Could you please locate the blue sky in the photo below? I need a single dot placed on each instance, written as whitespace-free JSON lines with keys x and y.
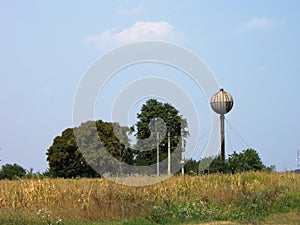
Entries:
{"x":252,"y":48}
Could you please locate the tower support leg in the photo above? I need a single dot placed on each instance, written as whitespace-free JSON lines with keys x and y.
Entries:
{"x":222,"y":118}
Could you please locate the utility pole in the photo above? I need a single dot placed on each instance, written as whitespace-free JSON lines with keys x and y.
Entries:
{"x":182,"y":154}
{"x":169,"y":154}
{"x":157,"y":153}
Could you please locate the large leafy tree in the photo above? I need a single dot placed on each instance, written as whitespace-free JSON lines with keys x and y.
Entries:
{"x":85,"y":155}
{"x":167,"y":117}
{"x":65,"y":159}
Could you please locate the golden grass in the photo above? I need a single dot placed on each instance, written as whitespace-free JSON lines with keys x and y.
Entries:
{"x":101,"y":199}
{"x":292,"y":217}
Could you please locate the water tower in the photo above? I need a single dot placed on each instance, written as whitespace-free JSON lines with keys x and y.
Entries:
{"x":222,"y":103}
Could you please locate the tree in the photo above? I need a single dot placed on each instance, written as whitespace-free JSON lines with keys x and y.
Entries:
{"x":248,"y":160}
{"x":191,"y":167}
{"x":66,"y":159}
{"x":169,"y":120}
{"x":217,"y":165}
{"x":10,"y":172}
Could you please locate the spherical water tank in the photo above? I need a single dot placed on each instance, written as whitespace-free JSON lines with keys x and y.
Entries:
{"x":221,"y":102}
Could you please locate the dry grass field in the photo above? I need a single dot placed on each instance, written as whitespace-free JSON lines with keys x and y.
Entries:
{"x":217,"y":197}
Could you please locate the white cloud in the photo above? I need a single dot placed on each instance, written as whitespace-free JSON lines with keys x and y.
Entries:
{"x":260,"y":24}
{"x":128,"y":12}
{"x":139,"y":31}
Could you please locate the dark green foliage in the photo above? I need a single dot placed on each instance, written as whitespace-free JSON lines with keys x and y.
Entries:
{"x":217,"y":166}
{"x":247,"y":160}
{"x":102,"y":145}
{"x":174,"y":123}
{"x":9,"y":171}
{"x":191,"y":167}
{"x":66,"y":160}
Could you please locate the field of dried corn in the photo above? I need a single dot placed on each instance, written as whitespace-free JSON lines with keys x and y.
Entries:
{"x":239,"y":197}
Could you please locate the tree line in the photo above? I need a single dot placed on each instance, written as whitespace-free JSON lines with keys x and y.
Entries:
{"x":77,"y":152}
{"x":247,"y":160}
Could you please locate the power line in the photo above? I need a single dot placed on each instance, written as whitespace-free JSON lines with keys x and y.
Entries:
{"x":229,"y":141}
{"x":242,"y":141}
{"x":197,"y":154}
{"x":209,"y":129}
